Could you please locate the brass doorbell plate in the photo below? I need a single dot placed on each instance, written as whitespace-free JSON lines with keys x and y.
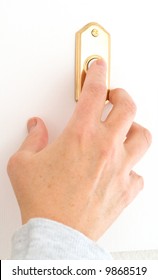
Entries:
{"x":92,"y":42}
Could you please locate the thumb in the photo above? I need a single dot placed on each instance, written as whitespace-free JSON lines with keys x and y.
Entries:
{"x":37,"y":138}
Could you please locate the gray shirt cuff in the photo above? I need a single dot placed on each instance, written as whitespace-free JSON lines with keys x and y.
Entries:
{"x":43,"y":239}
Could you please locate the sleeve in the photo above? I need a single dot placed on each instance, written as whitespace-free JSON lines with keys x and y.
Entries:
{"x":43,"y":239}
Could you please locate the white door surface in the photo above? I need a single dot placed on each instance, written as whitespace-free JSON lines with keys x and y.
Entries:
{"x":37,"y":58}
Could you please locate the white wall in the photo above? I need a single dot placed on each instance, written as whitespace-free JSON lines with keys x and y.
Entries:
{"x":37,"y":44}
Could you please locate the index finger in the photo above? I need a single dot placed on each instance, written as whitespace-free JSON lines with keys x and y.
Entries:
{"x":122,"y":114}
{"x":94,"y":92}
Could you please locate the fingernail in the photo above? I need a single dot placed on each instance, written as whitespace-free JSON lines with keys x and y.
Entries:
{"x":31,"y":124}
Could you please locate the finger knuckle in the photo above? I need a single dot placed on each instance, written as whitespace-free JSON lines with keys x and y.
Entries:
{"x":96,"y":88}
{"x":125,"y":101}
{"x":14,"y":161}
{"x":109,"y":151}
{"x":82,"y":134}
{"x":11,"y":163}
{"x":126,"y":197}
{"x":131,"y":107}
{"x":129,"y":193}
{"x":140,"y":181}
{"x":147,"y":136}
{"x":104,"y":153}
{"x":113,"y":93}
{"x":121,"y":90}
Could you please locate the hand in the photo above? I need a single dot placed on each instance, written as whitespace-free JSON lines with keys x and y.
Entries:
{"x":83,"y":179}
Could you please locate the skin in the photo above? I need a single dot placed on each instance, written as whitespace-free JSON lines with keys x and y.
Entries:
{"x":84,"y":179}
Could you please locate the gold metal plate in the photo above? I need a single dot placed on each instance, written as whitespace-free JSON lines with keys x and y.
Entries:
{"x":92,"y":42}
